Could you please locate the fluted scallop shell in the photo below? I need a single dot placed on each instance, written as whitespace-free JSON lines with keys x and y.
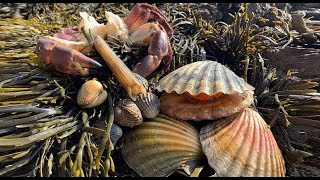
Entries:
{"x":203,"y":77}
{"x":127,"y":113}
{"x":142,"y":80}
{"x":183,"y":107}
{"x":149,"y":104}
{"x":91,"y":94}
{"x":115,"y":133}
{"x":161,"y":145}
{"x":242,"y":146}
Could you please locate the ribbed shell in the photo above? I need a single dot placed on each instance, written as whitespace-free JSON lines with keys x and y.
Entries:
{"x":160,"y":146}
{"x":208,"y":77}
{"x":127,"y":113}
{"x":183,"y":107}
{"x":242,"y":146}
{"x":142,"y":80}
{"x":91,"y":94}
{"x":149,"y":105}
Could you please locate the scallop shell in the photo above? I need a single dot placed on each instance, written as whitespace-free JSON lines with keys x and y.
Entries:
{"x":203,"y":77}
{"x":161,"y":145}
{"x":91,"y":94}
{"x":127,"y":113}
{"x":242,"y":146}
{"x":183,"y":107}
{"x":149,"y":105}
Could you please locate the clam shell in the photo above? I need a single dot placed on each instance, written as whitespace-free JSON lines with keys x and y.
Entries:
{"x":242,"y":146}
{"x":183,"y":107}
{"x":206,"y":77}
{"x":127,"y":113}
{"x":149,"y":105}
{"x":160,"y":146}
{"x":91,"y":94}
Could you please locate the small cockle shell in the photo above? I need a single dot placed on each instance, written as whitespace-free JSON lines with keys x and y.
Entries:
{"x":203,"y":78}
{"x":242,"y":145}
{"x":149,"y":105}
{"x":91,"y":94}
{"x":183,"y":107}
{"x":161,"y":145}
{"x":142,"y":80}
{"x":127,"y":113}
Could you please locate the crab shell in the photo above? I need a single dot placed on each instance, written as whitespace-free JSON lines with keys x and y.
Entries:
{"x":203,"y":90}
{"x":242,"y":145}
{"x":91,"y":94}
{"x":160,"y":146}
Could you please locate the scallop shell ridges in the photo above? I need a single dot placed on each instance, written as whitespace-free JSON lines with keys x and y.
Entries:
{"x":242,"y":146}
{"x":161,"y":145}
{"x":208,"y":77}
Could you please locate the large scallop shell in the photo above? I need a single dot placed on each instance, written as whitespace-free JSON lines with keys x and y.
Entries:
{"x":183,"y":107}
{"x":91,"y":94}
{"x":203,"y":77}
{"x":161,"y":145}
{"x":127,"y":113}
{"x":149,"y":105}
{"x":242,"y":146}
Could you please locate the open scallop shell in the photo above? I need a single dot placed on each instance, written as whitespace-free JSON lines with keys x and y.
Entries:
{"x":91,"y":94}
{"x":161,"y":145}
{"x":242,"y":146}
{"x":203,"y":77}
{"x":127,"y":113}
{"x":149,"y":105}
{"x":183,"y":107}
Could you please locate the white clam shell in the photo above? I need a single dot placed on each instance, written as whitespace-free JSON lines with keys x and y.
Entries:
{"x":91,"y":94}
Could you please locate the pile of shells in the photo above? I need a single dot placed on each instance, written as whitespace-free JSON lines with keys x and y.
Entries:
{"x":235,"y":139}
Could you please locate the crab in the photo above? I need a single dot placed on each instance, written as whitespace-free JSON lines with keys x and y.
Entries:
{"x":148,"y":27}
{"x":144,"y":26}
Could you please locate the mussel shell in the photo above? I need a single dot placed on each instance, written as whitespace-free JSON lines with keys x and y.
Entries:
{"x":91,"y":94}
{"x":160,"y":146}
{"x":115,"y":133}
{"x":149,"y":105}
{"x":127,"y":113}
{"x":206,"y":77}
{"x":183,"y":107}
{"x":242,"y":145}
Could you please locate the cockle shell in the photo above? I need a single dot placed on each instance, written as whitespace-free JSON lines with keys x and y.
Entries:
{"x":161,"y":145}
{"x":203,"y":77}
{"x":127,"y":113}
{"x":149,"y":105}
{"x":91,"y":94}
{"x":242,"y":145}
{"x":142,"y":80}
{"x":183,"y":107}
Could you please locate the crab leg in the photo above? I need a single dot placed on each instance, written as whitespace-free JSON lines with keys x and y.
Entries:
{"x":120,"y":70}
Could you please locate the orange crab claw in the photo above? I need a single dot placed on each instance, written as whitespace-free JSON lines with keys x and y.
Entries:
{"x":64,"y":59}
